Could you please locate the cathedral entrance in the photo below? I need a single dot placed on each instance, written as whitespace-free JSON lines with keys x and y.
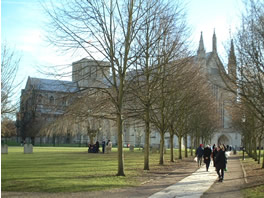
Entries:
{"x":223,"y":140}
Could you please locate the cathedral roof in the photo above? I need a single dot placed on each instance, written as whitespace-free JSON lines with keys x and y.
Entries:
{"x":53,"y":85}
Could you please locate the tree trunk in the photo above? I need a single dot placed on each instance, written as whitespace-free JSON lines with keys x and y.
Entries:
{"x":191,"y":145}
{"x":161,"y":160}
{"x":180,"y":145}
{"x":250,"y":147}
{"x":171,"y":148}
{"x":91,"y":139}
{"x":186,"y":146}
{"x":120,"y":147}
{"x":255,"y":148}
{"x":197,"y":141}
{"x":146,"y":147}
{"x":246,"y":145}
{"x":259,"y":145}
{"x":263,"y":162}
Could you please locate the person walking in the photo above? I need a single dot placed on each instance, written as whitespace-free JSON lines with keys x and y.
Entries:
{"x":214,"y":154}
{"x":199,"y":153}
{"x":103,"y":146}
{"x":220,"y":162}
{"x":207,"y":156}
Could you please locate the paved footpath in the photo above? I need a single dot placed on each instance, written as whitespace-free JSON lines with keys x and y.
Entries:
{"x":234,"y":181}
{"x":205,"y":184}
{"x":192,"y":186}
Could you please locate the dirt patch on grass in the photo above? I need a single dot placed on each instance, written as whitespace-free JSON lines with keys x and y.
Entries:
{"x":254,"y":177}
{"x":254,"y":172}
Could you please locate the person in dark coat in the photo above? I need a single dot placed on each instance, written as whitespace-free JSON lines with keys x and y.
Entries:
{"x":103,"y":146}
{"x":199,"y":153}
{"x":214,"y":154}
{"x":207,"y":156}
{"x":97,"y":146}
{"x":220,"y":162}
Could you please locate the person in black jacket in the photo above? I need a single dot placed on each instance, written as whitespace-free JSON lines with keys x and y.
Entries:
{"x":103,"y":146}
{"x":199,"y":154}
{"x":97,"y":146}
{"x":214,"y":154}
{"x":207,"y":156}
{"x":220,"y":162}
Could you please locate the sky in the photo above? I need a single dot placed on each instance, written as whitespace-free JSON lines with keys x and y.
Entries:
{"x":23,"y":28}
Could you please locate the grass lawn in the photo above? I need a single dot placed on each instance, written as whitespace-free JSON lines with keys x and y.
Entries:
{"x":70,"y":169}
{"x":254,"y":192}
{"x":255,"y":175}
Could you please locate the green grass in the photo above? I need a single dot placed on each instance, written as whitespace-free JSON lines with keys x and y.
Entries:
{"x":65,"y":169}
{"x":254,"y":192}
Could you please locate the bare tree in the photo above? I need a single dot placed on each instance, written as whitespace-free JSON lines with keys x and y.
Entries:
{"x":191,"y":106}
{"x":249,"y":83}
{"x":163,"y":21}
{"x":106,"y":30}
{"x":9,"y":66}
{"x":251,"y":129}
{"x":178,"y":102}
{"x":249,"y":43}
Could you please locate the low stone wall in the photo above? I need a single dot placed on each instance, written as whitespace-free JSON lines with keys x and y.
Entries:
{"x":4,"y":149}
{"x":28,"y":148}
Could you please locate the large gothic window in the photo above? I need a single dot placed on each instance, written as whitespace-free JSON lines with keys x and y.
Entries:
{"x":227,"y":117}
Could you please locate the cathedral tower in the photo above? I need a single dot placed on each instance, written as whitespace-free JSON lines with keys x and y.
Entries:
{"x":232,"y":63}
{"x":201,"y":58}
{"x":201,"y":50}
{"x":214,"y":48}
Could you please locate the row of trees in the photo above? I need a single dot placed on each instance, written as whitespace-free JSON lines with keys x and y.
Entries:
{"x":250,"y":43}
{"x":152,"y":78}
{"x":248,"y":115}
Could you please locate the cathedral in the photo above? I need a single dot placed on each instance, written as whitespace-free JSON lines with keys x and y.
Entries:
{"x":44,"y":100}
{"x":212,"y":66}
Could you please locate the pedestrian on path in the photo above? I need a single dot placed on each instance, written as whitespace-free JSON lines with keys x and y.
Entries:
{"x":214,"y":154}
{"x":199,"y":153}
{"x":207,"y":156}
{"x":220,"y":162}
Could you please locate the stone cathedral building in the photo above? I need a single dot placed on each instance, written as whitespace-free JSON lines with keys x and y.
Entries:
{"x":46,"y":99}
{"x":211,"y":66}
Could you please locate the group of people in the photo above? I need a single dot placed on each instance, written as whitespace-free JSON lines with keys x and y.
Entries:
{"x":95,"y":148}
{"x":217,"y":154}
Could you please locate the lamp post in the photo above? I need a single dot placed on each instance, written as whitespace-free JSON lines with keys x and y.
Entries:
{"x":135,"y":136}
{"x":244,"y":120}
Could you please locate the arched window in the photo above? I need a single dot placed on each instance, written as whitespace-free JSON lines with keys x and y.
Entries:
{"x":51,"y":100}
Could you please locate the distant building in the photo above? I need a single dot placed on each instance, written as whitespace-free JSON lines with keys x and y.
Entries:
{"x":43,"y":100}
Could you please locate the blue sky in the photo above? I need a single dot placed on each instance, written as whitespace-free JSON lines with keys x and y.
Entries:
{"x":23,"y":28}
